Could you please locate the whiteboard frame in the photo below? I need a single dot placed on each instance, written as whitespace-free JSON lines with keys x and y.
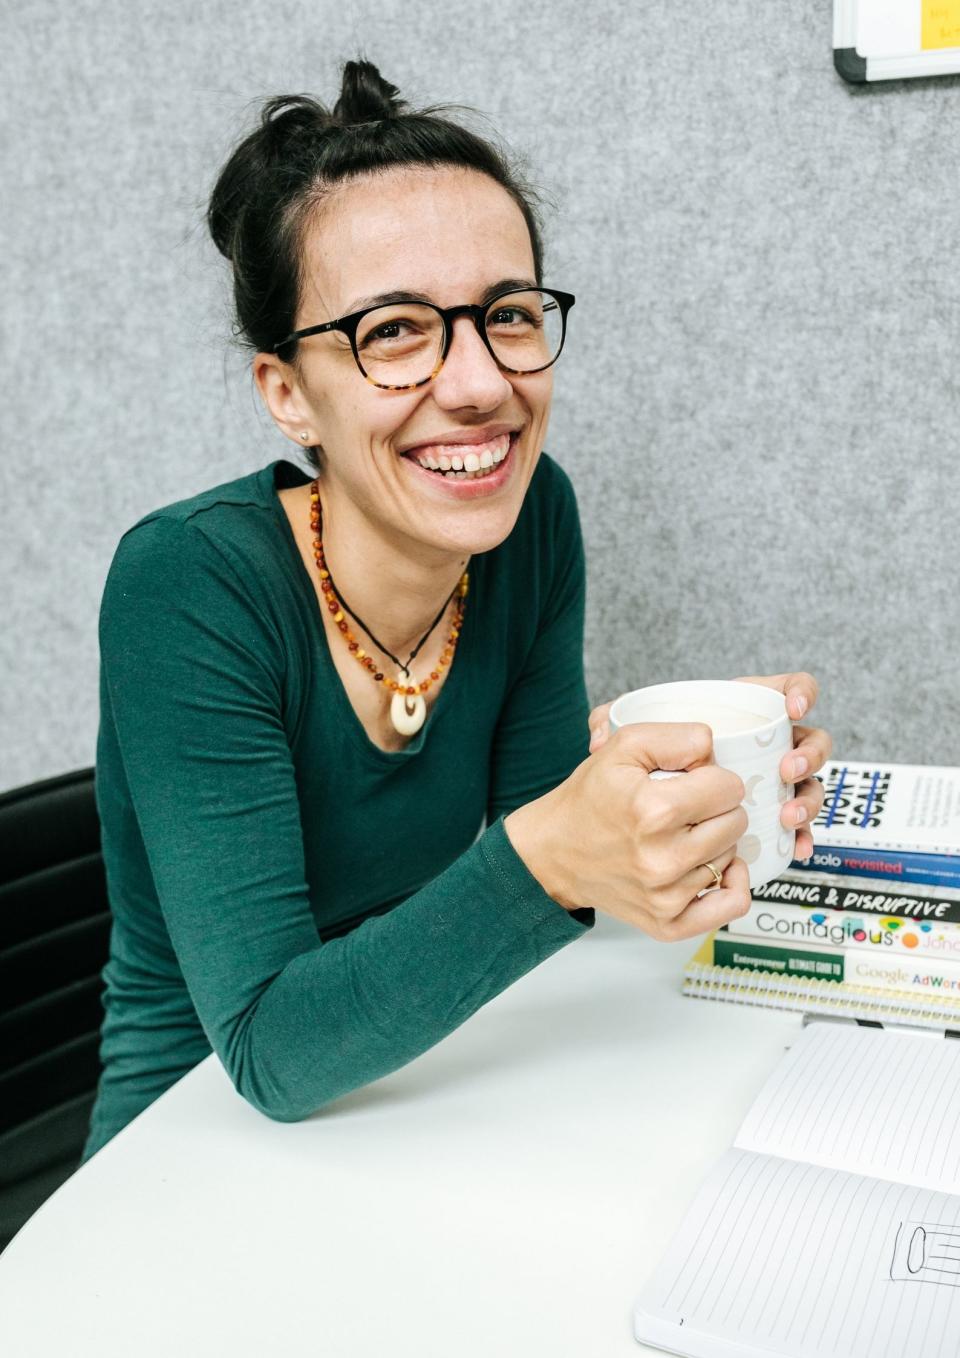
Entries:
{"x":858,"y":70}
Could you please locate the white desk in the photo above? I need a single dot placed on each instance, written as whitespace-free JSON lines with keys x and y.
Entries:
{"x":504,"y":1195}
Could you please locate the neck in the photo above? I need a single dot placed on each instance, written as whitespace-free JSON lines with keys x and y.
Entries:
{"x":397,"y":588}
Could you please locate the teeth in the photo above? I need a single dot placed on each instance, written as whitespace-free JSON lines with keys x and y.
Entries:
{"x":467,"y":466}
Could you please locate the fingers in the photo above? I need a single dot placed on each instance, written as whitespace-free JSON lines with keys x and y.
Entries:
{"x":711,"y":839}
{"x":702,"y":794}
{"x":804,"y":846}
{"x":598,"y":724}
{"x":801,"y":690}
{"x":729,"y":901}
{"x":674,"y":872}
{"x":700,"y":879}
{"x":663,"y":745}
{"x":811,"y":750}
{"x":801,"y":812}
{"x":804,"y":808}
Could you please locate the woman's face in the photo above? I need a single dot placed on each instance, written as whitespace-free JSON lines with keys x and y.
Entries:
{"x":451,"y":235}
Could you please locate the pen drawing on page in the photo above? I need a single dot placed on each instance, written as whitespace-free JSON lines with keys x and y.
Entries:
{"x":926,"y":1252}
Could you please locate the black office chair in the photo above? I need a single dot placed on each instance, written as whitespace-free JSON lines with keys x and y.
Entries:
{"x":54,"y":940}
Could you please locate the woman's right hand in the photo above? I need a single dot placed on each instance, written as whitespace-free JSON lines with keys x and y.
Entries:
{"x":634,"y":847}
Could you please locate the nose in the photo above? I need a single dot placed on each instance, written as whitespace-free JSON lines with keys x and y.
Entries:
{"x":469,"y":376}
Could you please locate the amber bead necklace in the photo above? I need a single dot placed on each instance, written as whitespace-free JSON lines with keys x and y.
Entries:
{"x":408,"y":708}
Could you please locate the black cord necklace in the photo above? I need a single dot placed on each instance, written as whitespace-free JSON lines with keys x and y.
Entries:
{"x":404,"y":668}
{"x":408,"y":708}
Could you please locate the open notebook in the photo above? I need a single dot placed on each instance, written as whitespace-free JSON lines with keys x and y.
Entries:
{"x":832,"y":1227}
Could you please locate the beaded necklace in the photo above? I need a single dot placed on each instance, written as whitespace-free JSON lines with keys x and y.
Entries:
{"x":408,"y":708}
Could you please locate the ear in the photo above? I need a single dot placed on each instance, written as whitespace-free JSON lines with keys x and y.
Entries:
{"x":280,"y":389}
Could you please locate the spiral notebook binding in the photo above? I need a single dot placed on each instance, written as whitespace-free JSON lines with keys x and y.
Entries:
{"x":767,"y":990}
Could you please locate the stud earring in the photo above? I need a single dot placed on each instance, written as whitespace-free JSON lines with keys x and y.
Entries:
{"x":304,"y":436}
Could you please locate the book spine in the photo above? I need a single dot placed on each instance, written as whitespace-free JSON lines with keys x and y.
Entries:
{"x":930,"y":869}
{"x":799,"y":924}
{"x":827,"y":892}
{"x":859,"y":967}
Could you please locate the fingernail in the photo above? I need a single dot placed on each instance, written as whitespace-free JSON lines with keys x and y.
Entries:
{"x":800,"y":703}
{"x":799,"y":767}
{"x":800,"y":815}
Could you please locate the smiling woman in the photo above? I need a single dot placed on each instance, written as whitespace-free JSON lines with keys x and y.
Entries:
{"x":343,"y":772}
{"x":297,"y":668}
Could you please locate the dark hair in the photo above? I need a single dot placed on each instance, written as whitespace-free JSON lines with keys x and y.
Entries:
{"x":278,"y":175}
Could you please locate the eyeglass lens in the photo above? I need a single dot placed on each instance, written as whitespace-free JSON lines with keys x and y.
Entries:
{"x":399,"y":345}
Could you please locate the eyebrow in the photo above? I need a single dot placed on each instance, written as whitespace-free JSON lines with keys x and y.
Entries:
{"x":391,"y":298}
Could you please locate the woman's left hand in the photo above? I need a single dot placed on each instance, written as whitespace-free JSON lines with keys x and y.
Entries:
{"x":811,"y":750}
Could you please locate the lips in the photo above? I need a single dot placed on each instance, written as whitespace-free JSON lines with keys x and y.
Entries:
{"x":461,"y":484}
{"x":462,"y":457}
{"x":457,"y":437}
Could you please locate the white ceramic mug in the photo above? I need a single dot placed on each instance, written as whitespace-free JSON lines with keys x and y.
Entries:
{"x":751,"y":734}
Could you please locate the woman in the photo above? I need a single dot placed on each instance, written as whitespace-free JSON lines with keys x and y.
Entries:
{"x":314,"y":689}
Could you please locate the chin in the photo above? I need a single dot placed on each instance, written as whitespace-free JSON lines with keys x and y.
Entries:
{"x":469,"y":517}
{"x":484,"y":531}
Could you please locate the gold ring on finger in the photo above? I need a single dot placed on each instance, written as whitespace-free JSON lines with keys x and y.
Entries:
{"x":717,"y":876}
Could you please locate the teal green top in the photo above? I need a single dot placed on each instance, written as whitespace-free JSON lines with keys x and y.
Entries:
{"x":316,"y":910}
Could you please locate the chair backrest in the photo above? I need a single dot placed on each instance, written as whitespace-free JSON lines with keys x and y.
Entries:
{"x":54,"y":943}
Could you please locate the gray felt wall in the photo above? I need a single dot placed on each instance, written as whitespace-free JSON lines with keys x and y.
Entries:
{"x":757,"y":405}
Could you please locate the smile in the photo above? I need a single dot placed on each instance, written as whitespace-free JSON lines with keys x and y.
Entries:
{"x":487,"y":464}
{"x":475,"y":460}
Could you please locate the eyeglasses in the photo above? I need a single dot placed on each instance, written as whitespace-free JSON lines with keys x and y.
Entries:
{"x":402,"y":346}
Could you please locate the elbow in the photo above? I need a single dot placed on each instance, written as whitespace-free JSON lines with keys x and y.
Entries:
{"x":275,"y":1102}
{"x":287,"y":1082}
{"x":264,"y":1088}
{"x":280,"y":1100}
{"x":279,"y":1105}
{"x":281,"y":1112}
{"x":264,"y":1075}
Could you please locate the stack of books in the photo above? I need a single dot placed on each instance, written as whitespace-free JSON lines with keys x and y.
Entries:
{"x":870,"y":927}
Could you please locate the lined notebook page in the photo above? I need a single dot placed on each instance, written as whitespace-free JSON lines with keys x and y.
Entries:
{"x":780,"y":1257}
{"x":866,"y":1100}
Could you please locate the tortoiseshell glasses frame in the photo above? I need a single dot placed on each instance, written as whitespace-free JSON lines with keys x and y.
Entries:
{"x":348,"y":325}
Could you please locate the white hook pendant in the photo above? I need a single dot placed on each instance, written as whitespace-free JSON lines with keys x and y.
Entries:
{"x":407,"y":712}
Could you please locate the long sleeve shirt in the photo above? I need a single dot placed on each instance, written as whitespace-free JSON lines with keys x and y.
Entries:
{"x":316,"y":910}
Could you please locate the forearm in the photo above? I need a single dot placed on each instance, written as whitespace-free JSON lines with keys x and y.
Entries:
{"x":358,"y":1007}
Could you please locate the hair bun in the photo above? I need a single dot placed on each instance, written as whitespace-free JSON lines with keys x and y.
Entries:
{"x":365,"y":96}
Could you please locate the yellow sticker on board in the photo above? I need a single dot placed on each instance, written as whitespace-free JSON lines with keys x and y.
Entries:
{"x":939,"y":23}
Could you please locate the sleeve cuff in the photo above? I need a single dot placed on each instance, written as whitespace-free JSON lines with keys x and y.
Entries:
{"x":519,"y":882}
